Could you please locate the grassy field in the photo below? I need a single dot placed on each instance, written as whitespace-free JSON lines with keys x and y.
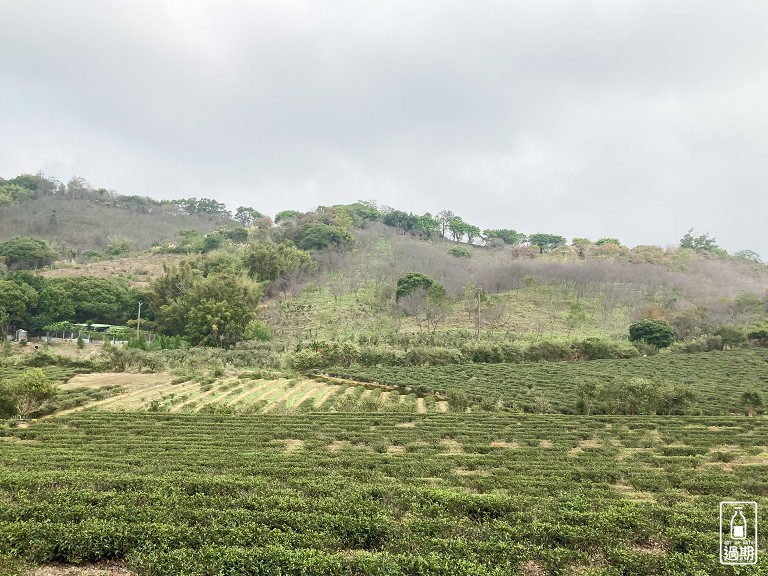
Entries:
{"x":535,"y":312}
{"x":717,"y":379}
{"x":383,"y":494}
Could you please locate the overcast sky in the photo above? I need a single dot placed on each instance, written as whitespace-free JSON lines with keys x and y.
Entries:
{"x":617,"y":118}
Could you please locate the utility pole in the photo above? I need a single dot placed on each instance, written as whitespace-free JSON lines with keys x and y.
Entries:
{"x":478,"y":290}
{"x":138,"y":323}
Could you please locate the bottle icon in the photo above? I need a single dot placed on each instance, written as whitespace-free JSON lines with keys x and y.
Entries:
{"x":738,"y":525}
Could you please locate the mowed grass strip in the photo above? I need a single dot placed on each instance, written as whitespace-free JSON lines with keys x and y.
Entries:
{"x":135,"y":386}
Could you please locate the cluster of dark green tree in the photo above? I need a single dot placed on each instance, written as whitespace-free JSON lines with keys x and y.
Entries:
{"x":659,"y":334}
{"x":29,"y":301}
{"x":212,"y":299}
{"x":207,"y":301}
{"x":327,"y":227}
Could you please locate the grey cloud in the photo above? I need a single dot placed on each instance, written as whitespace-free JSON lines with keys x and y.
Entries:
{"x":629,"y":119}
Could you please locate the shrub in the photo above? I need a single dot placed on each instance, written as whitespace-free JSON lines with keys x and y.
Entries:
{"x":751,"y":402}
{"x":375,"y":356}
{"x":731,"y":335}
{"x":258,"y":330}
{"x":460,"y":252}
{"x":412,"y":282}
{"x":549,"y":351}
{"x":597,"y":349}
{"x":700,"y":344}
{"x":759,"y":334}
{"x":458,"y":401}
{"x":656,"y":332}
{"x":645,"y":349}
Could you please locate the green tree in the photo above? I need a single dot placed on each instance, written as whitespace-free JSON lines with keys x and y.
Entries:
{"x":269,"y":261}
{"x":172,"y":286}
{"x":25,"y":252}
{"x":412,"y":281}
{"x":32,"y":182}
{"x":545,"y":242}
{"x":759,"y":333}
{"x":731,"y":335}
{"x":17,"y":301}
{"x":218,"y":310}
{"x":701,"y":243}
{"x":751,"y":402}
{"x":400,"y":220}
{"x":13,"y":193}
{"x":246,"y":215}
{"x":212,"y":241}
{"x":427,"y":226}
{"x":202,"y":206}
{"x":509,"y":237}
{"x":444,"y":218}
{"x":236,"y":234}
{"x":54,"y":304}
{"x":103,"y":300}
{"x":63,"y":327}
{"x":748,"y":255}
{"x":472,"y":232}
{"x":214,"y":310}
{"x":320,"y":236}
{"x":457,"y":227}
{"x":655,"y":332}
{"x":603,"y":241}
{"x":359,"y":213}
{"x":29,"y":391}
{"x":286,"y":216}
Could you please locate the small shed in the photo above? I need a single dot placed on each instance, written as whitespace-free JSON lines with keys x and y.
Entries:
{"x":21,"y":335}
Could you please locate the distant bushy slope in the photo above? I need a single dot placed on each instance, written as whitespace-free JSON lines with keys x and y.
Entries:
{"x":81,"y":219}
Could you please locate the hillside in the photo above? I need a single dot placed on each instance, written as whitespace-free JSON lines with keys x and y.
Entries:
{"x":544,"y":296}
{"x":78,"y":218}
{"x":303,"y":412}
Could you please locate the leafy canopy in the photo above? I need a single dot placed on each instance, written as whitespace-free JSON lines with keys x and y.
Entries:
{"x":214,"y":310}
{"x":655,"y":332}
{"x":412,"y":282}
{"x":28,"y":391}
{"x":26,"y":252}
{"x":269,"y":261}
{"x":702,"y":243}
{"x":509,"y":237}
{"x":545,"y":242}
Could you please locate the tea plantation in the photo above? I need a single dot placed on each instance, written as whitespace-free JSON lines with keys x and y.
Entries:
{"x":379,"y":494}
{"x":717,"y":379}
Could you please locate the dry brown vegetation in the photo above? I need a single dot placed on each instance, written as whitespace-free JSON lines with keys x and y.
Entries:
{"x":83,"y":223}
{"x":138,"y":270}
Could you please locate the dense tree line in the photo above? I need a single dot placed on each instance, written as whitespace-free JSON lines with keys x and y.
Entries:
{"x":32,"y":302}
